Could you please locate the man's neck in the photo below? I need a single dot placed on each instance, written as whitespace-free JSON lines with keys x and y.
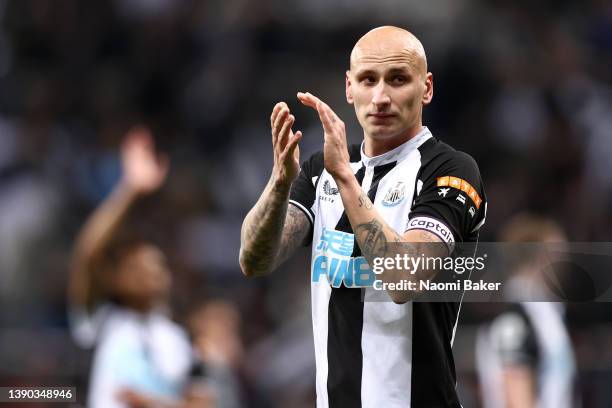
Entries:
{"x":374,"y":147}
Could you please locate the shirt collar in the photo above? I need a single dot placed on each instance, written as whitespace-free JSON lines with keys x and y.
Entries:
{"x":398,"y":153}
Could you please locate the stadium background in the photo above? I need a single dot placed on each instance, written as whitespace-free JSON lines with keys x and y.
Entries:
{"x":523,"y":86}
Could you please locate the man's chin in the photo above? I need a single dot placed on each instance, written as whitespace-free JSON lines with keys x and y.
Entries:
{"x":382,"y":132}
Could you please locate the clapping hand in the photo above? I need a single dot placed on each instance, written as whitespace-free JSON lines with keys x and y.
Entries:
{"x":335,"y":150}
{"x":285,"y":144}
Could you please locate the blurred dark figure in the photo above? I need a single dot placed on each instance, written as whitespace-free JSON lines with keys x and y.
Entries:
{"x":215,"y":330}
{"x":524,"y":356}
{"x":118,"y":293}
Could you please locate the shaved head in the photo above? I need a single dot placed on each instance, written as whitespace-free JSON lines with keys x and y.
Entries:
{"x":389,"y":44}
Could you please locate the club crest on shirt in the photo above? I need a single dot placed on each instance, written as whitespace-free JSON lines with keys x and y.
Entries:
{"x":395,"y":195}
{"x":329,"y":192}
{"x":328,"y":189}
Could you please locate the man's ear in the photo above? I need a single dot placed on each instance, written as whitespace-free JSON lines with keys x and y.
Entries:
{"x":428,"y":94}
{"x":349,"y":92}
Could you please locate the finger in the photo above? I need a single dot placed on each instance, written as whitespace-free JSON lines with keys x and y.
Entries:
{"x":275,"y":112}
{"x":285,"y":130}
{"x":138,"y":136}
{"x":292,"y":144}
{"x":280,"y":117}
{"x":278,"y":122}
{"x":326,"y":114}
{"x":325,"y":118}
{"x":328,"y":111}
{"x":308,"y":99}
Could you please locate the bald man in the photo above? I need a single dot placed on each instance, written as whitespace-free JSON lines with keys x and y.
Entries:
{"x":400,"y":193}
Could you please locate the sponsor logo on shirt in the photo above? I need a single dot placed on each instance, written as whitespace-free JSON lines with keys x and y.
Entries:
{"x":334,"y":262}
{"x":460,"y":184}
{"x":395,"y":195}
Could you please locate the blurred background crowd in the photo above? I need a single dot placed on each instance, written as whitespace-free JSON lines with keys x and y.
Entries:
{"x":525,"y":87}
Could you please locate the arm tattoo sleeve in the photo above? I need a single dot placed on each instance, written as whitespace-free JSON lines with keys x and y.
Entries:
{"x":372,"y":238}
{"x":270,"y":233}
{"x":295,"y":232}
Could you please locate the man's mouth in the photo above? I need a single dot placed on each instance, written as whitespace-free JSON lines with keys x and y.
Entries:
{"x":381,"y":115}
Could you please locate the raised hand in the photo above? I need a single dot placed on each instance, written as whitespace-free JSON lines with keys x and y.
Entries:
{"x":285,"y":145}
{"x":335,"y":149}
{"x":144,"y":171}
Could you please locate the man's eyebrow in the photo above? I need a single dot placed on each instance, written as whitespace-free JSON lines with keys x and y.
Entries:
{"x":367,"y":71}
{"x":398,"y":70}
{"x":393,"y":70}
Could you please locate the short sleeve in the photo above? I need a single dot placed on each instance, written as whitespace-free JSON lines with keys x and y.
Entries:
{"x":303,"y":189}
{"x":85,"y":327}
{"x":449,"y":198}
{"x":513,"y":340}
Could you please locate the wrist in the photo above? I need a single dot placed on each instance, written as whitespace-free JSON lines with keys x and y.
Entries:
{"x":344,"y":177}
{"x":280,"y":185}
{"x":126,"y":190}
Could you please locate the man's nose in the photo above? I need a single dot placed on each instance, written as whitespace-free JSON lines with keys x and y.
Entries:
{"x":381,"y":98}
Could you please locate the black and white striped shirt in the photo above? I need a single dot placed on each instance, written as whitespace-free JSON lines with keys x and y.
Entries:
{"x":382,"y":354}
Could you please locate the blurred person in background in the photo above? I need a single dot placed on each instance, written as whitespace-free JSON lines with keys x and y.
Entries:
{"x":215,"y":332}
{"x":214,"y":327}
{"x":118,"y":295}
{"x":401,"y":185}
{"x":524,"y":356}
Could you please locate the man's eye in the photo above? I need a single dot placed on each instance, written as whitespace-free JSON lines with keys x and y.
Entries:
{"x":368,"y":80}
{"x":399,"y":79}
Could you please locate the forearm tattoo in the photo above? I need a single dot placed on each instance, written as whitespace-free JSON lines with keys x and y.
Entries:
{"x":260,"y":234}
{"x":373,"y":241}
{"x":271,"y":233}
{"x":372,"y":238}
{"x":295,"y":231}
{"x":364,"y":201}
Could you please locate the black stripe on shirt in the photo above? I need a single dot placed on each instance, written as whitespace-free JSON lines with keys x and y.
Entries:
{"x":345,"y":322}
